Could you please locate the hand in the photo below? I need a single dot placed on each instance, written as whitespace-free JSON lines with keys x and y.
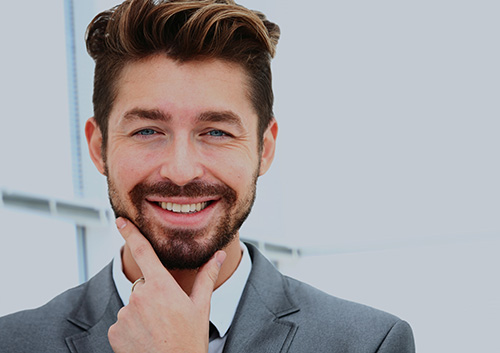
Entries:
{"x":160,"y":316}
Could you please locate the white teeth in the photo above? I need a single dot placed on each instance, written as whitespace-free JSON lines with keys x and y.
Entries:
{"x":185,"y":208}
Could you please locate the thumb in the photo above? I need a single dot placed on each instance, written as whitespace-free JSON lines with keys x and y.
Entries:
{"x":206,"y":278}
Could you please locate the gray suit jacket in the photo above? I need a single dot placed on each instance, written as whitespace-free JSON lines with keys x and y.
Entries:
{"x":275,"y":314}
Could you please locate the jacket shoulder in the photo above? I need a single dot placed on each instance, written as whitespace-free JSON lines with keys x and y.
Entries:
{"x":314,"y":300}
{"x":346,"y":324}
{"x":29,"y":329}
{"x":317,"y":321}
{"x":44,"y":329}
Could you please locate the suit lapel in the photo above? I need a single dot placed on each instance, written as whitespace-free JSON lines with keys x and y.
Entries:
{"x":100,"y":305}
{"x":260,"y":323}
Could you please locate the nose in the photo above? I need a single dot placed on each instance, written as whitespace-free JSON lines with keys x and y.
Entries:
{"x":181,"y":162}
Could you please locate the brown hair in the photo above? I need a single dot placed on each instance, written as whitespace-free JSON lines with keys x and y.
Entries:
{"x":184,"y":30}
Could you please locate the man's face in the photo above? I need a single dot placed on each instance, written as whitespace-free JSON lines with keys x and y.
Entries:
{"x":182,"y":155}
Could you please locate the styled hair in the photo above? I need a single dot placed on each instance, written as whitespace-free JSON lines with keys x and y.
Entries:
{"x":184,"y":30}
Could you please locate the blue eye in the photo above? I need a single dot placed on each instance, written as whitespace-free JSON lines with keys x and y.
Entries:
{"x":217,"y":133}
{"x":146,"y":132}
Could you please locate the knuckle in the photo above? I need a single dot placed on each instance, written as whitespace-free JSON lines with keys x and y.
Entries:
{"x":122,"y":313}
{"x":113,"y":333}
{"x":140,"y":250}
{"x":213,"y":273}
{"x":138,"y":302}
{"x":134,"y":300}
{"x":157,"y":286}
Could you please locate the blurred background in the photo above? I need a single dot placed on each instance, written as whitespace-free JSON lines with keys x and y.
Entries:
{"x":385,"y":189}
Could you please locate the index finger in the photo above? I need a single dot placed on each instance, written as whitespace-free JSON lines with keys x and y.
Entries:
{"x":141,"y":249}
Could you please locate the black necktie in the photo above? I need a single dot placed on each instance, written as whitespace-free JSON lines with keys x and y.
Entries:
{"x":213,"y":333}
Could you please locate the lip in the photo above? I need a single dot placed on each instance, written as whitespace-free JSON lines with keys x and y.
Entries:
{"x":194,"y":220}
{"x":182,"y":200}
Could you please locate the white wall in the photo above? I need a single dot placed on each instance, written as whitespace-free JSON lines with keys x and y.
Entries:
{"x":388,"y":122}
{"x":447,"y":292}
{"x":37,"y":255}
{"x":388,"y":160}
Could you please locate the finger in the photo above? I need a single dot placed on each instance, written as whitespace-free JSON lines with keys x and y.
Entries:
{"x":141,"y":249}
{"x":138,"y":282}
{"x":205,"y":280}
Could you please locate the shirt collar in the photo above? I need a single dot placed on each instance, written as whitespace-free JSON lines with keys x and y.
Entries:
{"x":224,"y":300}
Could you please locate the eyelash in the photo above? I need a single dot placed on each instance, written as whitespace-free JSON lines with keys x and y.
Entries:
{"x":222,"y":133}
{"x":142,"y":134}
{"x":150,"y":132}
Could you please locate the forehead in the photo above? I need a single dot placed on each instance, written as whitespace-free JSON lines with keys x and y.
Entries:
{"x":192,"y":87}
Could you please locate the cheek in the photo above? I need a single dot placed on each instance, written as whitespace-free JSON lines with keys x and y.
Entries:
{"x":237,"y":173}
{"x":129,"y":168}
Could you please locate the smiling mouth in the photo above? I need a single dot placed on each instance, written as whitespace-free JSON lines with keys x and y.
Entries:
{"x":184,"y":208}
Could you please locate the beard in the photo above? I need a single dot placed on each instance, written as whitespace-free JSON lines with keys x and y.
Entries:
{"x":178,"y":248}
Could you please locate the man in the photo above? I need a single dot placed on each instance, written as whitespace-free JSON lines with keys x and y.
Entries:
{"x":183,"y":128}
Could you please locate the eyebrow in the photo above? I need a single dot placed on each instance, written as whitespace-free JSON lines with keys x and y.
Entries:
{"x":149,"y":114}
{"x":221,"y":116}
{"x":210,"y":116}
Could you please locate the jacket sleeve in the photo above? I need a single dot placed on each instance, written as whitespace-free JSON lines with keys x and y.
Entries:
{"x":398,"y":340}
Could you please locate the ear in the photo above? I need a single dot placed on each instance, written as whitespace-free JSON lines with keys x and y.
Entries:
{"x":268,"y":147}
{"x":94,"y":141}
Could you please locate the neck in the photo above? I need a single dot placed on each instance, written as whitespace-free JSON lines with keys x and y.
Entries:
{"x":185,"y":278}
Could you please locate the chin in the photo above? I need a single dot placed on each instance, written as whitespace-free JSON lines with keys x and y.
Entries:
{"x":181,"y":249}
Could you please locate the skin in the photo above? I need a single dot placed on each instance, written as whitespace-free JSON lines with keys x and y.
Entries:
{"x":182,"y":149}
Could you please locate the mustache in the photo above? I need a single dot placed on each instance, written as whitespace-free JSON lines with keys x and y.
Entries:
{"x":193,"y":189}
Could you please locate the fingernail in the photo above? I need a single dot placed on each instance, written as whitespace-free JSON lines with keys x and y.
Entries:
{"x":120,"y":223}
{"x":220,"y":257}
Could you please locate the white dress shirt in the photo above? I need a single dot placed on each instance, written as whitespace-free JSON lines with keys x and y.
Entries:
{"x":224,"y":300}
